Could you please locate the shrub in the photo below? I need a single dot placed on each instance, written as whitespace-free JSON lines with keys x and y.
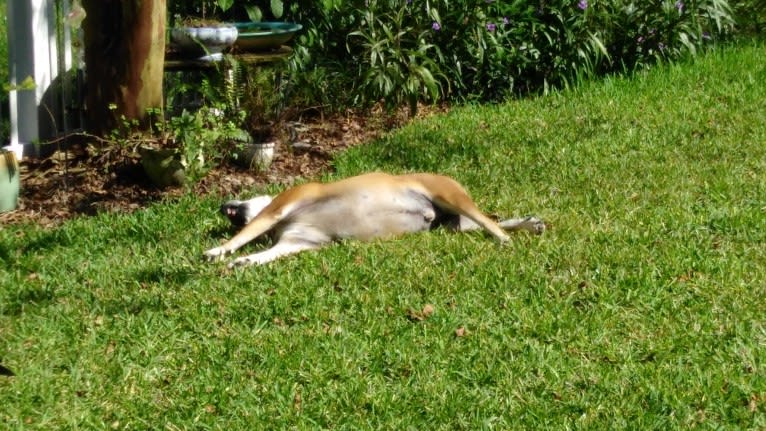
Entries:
{"x":489,"y":50}
{"x":357,"y":52}
{"x":396,"y":61}
{"x":750,"y":16}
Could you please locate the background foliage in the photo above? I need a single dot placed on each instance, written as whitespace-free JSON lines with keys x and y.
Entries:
{"x":358,"y":52}
{"x":488,"y":50}
{"x":353,"y":53}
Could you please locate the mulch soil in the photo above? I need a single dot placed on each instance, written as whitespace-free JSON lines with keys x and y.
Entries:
{"x":85,"y":181}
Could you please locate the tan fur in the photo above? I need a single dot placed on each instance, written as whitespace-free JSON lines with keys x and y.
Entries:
{"x":367,"y":206}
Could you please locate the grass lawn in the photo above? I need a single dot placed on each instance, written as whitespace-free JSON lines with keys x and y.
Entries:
{"x":643,"y":306}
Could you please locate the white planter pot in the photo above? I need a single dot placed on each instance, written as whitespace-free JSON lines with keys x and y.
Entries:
{"x":204,"y":43}
{"x":257,"y":156}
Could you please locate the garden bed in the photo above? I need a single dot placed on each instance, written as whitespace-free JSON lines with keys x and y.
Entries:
{"x":81,"y":182}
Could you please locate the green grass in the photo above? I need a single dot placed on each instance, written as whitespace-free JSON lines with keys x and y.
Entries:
{"x":641,"y":308}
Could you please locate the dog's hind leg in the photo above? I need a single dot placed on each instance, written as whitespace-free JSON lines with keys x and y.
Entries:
{"x":450,"y":196}
{"x":532,"y":225}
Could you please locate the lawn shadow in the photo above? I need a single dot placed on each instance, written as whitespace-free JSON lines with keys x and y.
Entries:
{"x":225,"y":232}
{"x":155,"y":282}
{"x":222,"y":231}
{"x":162,"y":274}
{"x":47,"y":241}
{"x":40,"y":295}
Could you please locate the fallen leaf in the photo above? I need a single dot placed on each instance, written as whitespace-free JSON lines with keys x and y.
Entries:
{"x":297,"y":400}
{"x":419,"y":316}
{"x":460,"y":332}
{"x":428,"y":310}
{"x":415,"y":316}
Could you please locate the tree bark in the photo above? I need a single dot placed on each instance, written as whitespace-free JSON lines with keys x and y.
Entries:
{"x":124,"y":61}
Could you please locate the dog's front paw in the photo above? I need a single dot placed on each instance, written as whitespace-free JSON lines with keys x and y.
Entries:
{"x":217,"y":253}
{"x":242,"y":261}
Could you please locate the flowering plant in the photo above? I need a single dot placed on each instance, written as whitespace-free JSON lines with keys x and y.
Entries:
{"x":362,"y":51}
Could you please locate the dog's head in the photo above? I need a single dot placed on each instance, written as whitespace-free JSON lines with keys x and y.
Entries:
{"x":240,"y":213}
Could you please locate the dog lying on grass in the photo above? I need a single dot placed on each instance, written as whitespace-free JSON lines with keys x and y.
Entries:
{"x":364,"y":207}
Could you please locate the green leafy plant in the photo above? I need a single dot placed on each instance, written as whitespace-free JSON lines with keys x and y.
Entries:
{"x":195,"y":141}
{"x":254,"y":10}
{"x":396,"y":61}
{"x":750,"y":16}
{"x":203,"y":139}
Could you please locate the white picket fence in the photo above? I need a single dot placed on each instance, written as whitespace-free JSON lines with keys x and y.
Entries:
{"x":39,"y":47}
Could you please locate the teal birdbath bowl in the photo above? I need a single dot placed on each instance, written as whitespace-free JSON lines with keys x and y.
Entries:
{"x":264,"y":36}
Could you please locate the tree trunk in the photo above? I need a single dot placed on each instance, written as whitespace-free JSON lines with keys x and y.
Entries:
{"x":124,"y":61}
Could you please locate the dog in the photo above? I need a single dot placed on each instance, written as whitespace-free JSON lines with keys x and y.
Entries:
{"x":374,"y":205}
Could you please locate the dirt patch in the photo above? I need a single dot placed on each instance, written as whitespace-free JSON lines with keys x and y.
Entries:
{"x":81,"y":181}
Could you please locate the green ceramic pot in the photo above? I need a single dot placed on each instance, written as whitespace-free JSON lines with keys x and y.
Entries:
{"x":163,"y":166}
{"x":9,"y":181}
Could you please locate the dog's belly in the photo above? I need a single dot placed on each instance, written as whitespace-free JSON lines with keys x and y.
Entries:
{"x":368,"y":214}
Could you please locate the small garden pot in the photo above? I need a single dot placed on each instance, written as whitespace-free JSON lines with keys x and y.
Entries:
{"x":9,"y":181}
{"x":163,"y":166}
{"x":257,"y":156}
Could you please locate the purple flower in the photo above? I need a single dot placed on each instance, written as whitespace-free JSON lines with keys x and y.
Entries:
{"x":491,"y":26}
{"x":640,"y":39}
{"x":506,"y":21}
{"x":435,"y":26}
{"x":582,"y":4}
{"x":680,"y":6}
{"x":706,"y":36}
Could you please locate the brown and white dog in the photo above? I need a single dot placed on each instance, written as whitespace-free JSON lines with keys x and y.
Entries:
{"x":368,"y":206}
